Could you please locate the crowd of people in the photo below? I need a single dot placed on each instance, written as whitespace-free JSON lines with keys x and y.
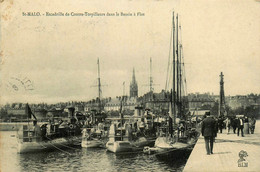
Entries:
{"x":211,"y":125}
{"x":236,"y":123}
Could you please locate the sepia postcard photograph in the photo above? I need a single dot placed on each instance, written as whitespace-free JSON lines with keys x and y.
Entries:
{"x":130,"y":85}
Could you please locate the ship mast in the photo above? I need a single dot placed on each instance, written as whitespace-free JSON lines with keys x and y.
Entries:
{"x":180,"y":77}
{"x":99,"y":88}
{"x":124,"y":89}
{"x":151,"y":78}
{"x":173,"y":88}
{"x":121,"y":113}
{"x":178,"y":67}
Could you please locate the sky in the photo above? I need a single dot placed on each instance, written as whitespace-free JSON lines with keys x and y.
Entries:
{"x":54,"y":58}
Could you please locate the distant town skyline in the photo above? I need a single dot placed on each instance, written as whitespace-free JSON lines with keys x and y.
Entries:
{"x":54,"y":59}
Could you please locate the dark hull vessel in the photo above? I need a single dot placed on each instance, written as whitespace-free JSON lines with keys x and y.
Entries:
{"x":29,"y":141}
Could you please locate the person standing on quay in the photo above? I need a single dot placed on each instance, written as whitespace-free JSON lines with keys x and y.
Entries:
{"x":240,"y":127}
{"x":228,"y":123}
{"x":220,"y":124}
{"x":252,"y":122}
{"x":234,"y":124}
{"x":209,"y":131}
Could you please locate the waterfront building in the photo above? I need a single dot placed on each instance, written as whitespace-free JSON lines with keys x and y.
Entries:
{"x":41,"y":114}
{"x":198,"y":101}
{"x":52,"y":113}
{"x":113,"y":104}
{"x":17,"y":111}
{"x":127,"y":103}
{"x":79,"y":108}
{"x":157,"y":102}
{"x":93,"y":105}
{"x":242,"y":100}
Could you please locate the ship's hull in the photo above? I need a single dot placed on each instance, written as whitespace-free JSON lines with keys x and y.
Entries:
{"x":173,"y":153}
{"x":127,"y":146}
{"x":119,"y":146}
{"x":142,"y":142}
{"x":165,"y":147}
{"x":91,"y":143}
{"x":58,"y":143}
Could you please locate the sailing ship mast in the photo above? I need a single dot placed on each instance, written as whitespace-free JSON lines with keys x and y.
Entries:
{"x":176,"y":100}
{"x":121,"y":114}
{"x":177,"y":69}
{"x":99,"y":88}
{"x":180,"y":67}
{"x":151,"y":78}
{"x":173,"y":89}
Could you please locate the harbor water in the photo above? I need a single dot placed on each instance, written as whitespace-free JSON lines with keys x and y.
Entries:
{"x":80,"y":159}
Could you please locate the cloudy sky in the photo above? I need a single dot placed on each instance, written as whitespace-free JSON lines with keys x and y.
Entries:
{"x":54,"y":58}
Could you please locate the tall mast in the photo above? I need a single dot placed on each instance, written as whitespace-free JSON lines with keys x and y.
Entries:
{"x":173,"y":89}
{"x":151,"y":78}
{"x":123,"y":88}
{"x":177,"y":56}
{"x":120,"y":113}
{"x":180,"y":80}
{"x":99,"y":88}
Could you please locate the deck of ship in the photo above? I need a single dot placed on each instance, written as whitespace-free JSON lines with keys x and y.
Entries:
{"x":225,"y":153}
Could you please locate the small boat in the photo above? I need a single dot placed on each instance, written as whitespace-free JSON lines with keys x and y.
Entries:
{"x":56,"y":134}
{"x":119,"y":146}
{"x":125,"y":136}
{"x":122,"y":140}
{"x":28,"y":142}
{"x":165,"y":146}
{"x":36,"y":146}
{"x":93,"y":135}
{"x":118,"y":142}
{"x":91,"y":139}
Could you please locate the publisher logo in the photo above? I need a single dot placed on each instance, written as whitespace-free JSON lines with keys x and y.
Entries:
{"x":242,"y":162}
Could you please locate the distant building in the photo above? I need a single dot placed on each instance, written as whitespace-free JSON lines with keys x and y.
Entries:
{"x":54,"y":113}
{"x":114,"y":104}
{"x":197,"y":100}
{"x":17,"y":111}
{"x":133,"y":86}
{"x":40,"y":114}
{"x":157,"y":102}
{"x":200,"y":113}
{"x":242,"y":101}
{"x":94,"y":105}
{"x":79,"y":108}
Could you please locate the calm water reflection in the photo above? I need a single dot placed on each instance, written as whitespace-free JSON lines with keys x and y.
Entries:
{"x":80,"y":159}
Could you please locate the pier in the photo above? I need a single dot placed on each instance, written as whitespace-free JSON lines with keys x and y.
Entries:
{"x":226,"y":153}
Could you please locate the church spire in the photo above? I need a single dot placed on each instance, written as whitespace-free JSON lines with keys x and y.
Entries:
{"x":133,"y":77}
{"x":133,"y":86}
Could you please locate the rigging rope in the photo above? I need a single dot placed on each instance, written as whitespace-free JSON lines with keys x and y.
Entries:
{"x":184,"y":71}
{"x":167,"y":76}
